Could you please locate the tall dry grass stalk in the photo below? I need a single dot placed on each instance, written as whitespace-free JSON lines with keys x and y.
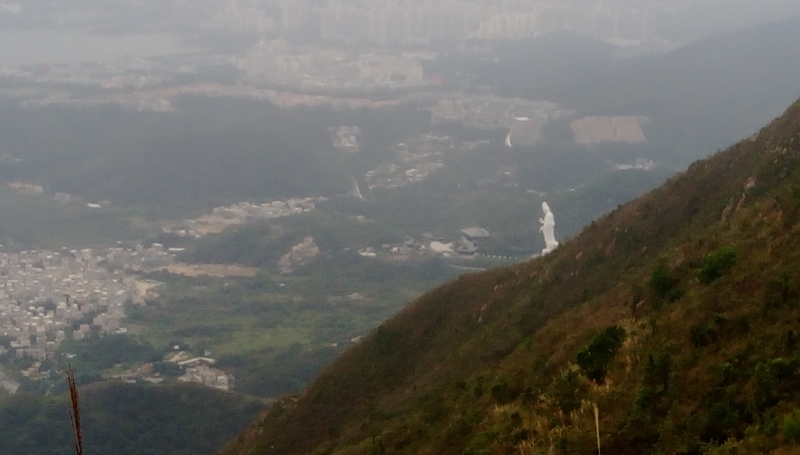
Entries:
{"x":75,"y":411}
{"x":597,"y":426}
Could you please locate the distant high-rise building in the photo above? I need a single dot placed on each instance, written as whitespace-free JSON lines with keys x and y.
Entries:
{"x":399,"y":24}
{"x":294,"y":14}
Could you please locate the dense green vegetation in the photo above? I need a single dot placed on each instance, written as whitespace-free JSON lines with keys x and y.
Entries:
{"x":516,"y":359}
{"x":122,"y":419}
{"x":276,"y":332}
{"x":158,"y":166}
{"x":209,"y":152}
{"x":437,"y":206}
{"x":95,"y":355}
{"x":453,"y":201}
{"x":262,"y":244}
{"x":92,"y":359}
{"x":595,"y":359}
{"x":38,"y":221}
{"x":212,"y":152}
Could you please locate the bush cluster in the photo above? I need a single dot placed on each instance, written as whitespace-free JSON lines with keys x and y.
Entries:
{"x":717,"y":264}
{"x":594,"y":360}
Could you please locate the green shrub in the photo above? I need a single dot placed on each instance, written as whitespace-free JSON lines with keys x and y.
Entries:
{"x":594,"y":360}
{"x":569,"y":391}
{"x":655,"y":383}
{"x":504,"y":394}
{"x":661,"y":281}
{"x":656,"y":372}
{"x":479,"y":444}
{"x":790,"y":426}
{"x":791,"y":339}
{"x":717,"y":264}
{"x":645,"y":397}
{"x":723,"y":420}
{"x":701,"y":334}
{"x":776,"y":379}
{"x":780,"y":290}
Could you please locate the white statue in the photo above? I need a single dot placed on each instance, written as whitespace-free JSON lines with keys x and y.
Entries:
{"x":548,"y":227}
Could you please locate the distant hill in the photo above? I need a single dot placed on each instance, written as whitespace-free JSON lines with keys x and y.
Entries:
{"x":122,"y":419}
{"x":675,"y":316}
{"x":706,"y":95}
{"x":700,"y":98}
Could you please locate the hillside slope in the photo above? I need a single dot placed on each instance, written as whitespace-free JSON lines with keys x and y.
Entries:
{"x":676,"y":315}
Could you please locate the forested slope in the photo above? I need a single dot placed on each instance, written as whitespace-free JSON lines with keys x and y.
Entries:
{"x":676,"y":315}
{"x":124,"y":419}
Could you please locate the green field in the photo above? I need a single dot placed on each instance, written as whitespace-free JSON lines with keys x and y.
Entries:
{"x":38,"y":221}
{"x":275,"y":332}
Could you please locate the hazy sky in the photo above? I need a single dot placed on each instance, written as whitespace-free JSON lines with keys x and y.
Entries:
{"x":25,"y":39}
{"x":23,"y":47}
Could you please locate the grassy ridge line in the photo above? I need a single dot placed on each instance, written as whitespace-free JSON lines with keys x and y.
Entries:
{"x":470,"y":325}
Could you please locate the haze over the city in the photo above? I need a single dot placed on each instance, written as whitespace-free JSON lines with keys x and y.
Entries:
{"x":205,"y":203}
{"x":648,"y":24}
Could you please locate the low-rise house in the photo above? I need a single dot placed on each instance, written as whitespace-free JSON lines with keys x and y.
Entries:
{"x":193,"y":362}
{"x":476,"y":232}
{"x":468,"y":248}
{"x":207,"y":376}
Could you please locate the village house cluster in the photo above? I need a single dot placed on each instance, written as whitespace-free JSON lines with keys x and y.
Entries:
{"x":466,"y":246}
{"x":594,"y":130}
{"x":124,"y":72}
{"x":309,"y":67}
{"x":415,"y":160}
{"x":300,"y":254}
{"x":241,"y":213}
{"x":486,"y":112}
{"x":47,"y":296}
{"x":345,"y":139}
{"x":198,"y":370}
